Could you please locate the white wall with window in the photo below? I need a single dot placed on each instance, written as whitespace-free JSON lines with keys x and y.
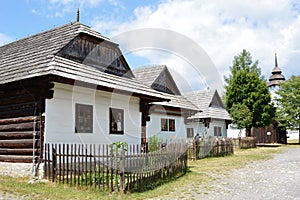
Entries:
{"x":82,"y":115}
{"x":166,"y":127}
{"x":217,"y":128}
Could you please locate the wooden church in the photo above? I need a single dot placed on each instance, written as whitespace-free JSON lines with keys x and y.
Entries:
{"x":272,"y":133}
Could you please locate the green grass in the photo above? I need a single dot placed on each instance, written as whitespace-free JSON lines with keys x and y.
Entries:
{"x":200,"y":172}
{"x":292,"y":141}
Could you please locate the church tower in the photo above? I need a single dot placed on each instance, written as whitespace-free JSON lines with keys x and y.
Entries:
{"x":276,"y":76}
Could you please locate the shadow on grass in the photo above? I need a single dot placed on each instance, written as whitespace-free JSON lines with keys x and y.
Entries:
{"x":144,"y":186}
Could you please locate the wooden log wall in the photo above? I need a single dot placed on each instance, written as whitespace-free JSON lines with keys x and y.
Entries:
{"x":22,"y":104}
{"x":262,"y":136}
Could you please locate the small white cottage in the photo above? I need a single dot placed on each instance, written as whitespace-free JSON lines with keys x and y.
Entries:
{"x":214,"y":119}
{"x":167,"y":119}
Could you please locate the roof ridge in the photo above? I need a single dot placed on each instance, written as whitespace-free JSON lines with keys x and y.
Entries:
{"x":145,"y":67}
{"x":40,"y":33}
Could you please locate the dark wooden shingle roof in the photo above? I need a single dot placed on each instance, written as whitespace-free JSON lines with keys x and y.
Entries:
{"x":210,"y":103}
{"x":159,"y":78}
{"x":37,"y":56}
{"x":29,"y":56}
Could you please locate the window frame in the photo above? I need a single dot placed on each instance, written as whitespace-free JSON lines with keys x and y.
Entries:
{"x":172,"y":125}
{"x":113,"y":126}
{"x":217,"y":131}
{"x":164,"y":124}
{"x":190,"y":132}
{"x":85,"y":110}
{"x":167,"y":124}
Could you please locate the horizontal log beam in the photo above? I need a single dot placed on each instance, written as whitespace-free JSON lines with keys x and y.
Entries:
{"x":23,"y":143}
{"x":16,"y":159}
{"x":26,"y":83}
{"x":18,"y":135}
{"x":29,"y":151}
{"x":20,"y":107}
{"x":34,"y":89}
{"x":25,"y":98}
{"x":21,"y":113}
{"x":28,"y":126}
{"x":19,"y":120}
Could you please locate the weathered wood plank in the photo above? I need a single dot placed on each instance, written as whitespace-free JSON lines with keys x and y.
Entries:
{"x":17,"y":135}
{"x":26,"y":83}
{"x":7,"y":151}
{"x":15,"y":158}
{"x":39,"y":88}
{"x":18,"y":120}
{"x":21,"y":113}
{"x":23,"y":143}
{"x":28,"y":126}
{"x":20,"y":99}
{"x":22,"y":106}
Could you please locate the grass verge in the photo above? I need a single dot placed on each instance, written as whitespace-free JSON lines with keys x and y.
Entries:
{"x":200,"y":172}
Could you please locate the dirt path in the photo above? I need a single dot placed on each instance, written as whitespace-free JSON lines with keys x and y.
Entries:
{"x":278,"y":178}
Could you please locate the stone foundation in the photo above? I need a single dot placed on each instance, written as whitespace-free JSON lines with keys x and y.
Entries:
{"x":16,"y":169}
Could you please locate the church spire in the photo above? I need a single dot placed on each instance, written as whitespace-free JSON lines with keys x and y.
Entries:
{"x":276,"y":64}
{"x":276,"y":76}
{"x":77,"y":15}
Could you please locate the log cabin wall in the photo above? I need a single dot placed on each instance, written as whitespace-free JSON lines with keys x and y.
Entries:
{"x":22,"y":105}
{"x":262,"y":135}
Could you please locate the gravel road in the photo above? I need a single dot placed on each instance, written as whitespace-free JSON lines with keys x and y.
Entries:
{"x":278,"y":178}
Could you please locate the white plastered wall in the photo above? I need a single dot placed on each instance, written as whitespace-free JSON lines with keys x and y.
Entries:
{"x":154,"y":127}
{"x":203,"y":131}
{"x":60,"y":116}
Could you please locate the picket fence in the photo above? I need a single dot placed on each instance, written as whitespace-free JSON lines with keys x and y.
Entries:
{"x":210,"y":147}
{"x":113,"y":167}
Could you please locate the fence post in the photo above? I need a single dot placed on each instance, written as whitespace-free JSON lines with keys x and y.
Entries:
{"x":122,"y":168}
{"x":53,"y":164}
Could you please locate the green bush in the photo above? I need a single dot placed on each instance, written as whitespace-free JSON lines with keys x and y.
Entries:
{"x":154,"y":143}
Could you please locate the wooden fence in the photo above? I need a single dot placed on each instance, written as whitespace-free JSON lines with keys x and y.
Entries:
{"x":211,"y":147}
{"x":112,"y":168}
{"x":245,"y":142}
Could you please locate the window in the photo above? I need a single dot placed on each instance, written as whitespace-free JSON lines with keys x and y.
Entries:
{"x":217,"y":131}
{"x":189,"y":132}
{"x":83,"y":118}
{"x":116,"y":121}
{"x":164,"y":124}
{"x":167,"y":124}
{"x":171,"y":124}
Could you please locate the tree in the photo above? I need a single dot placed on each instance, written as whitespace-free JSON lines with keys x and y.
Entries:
{"x":288,"y":104}
{"x":241,"y":115}
{"x":246,"y":88}
{"x":243,"y":61}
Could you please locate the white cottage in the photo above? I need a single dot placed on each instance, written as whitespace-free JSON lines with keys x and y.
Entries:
{"x":167,"y":119}
{"x":214,"y":119}
{"x":68,"y":85}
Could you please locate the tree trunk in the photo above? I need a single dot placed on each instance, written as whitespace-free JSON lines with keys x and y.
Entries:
{"x":248,"y":131}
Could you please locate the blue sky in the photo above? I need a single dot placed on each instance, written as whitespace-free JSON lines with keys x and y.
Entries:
{"x":221,"y":29}
{"x":21,"y":18}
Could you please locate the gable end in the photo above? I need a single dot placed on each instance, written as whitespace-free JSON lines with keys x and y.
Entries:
{"x":165,"y":83}
{"x":99,"y":53}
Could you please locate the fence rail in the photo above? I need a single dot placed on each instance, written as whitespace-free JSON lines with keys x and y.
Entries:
{"x":211,"y":147}
{"x":111,"y":167}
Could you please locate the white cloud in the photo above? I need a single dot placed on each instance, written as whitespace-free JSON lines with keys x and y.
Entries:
{"x":223,"y":29}
{"x":4,"y":39}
